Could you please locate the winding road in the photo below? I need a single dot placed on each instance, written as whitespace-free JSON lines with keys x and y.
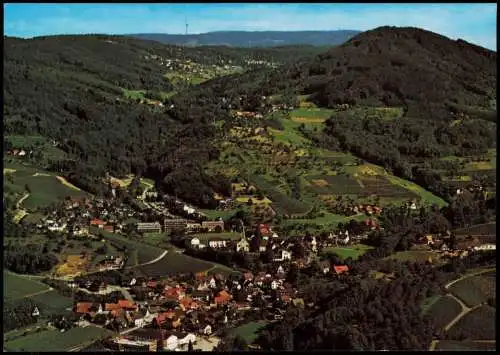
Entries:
{"x":465,"y":309}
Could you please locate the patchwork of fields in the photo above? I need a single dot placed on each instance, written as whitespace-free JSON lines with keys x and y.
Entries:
{"x":271,"y":168}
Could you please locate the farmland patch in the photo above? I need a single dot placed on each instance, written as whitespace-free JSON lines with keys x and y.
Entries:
{"x":479,"y":324}
{"x":16,"y":286}
{"x":204,"y":237}
{"x":175,"y":263}
{"x":444,"y":311}
{"x":54,"y":340}
{"x":335,"y":184}
{"x":475,"y":289}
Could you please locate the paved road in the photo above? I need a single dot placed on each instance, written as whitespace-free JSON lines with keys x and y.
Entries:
{"x":18,"y":204}
{"x":449,"y":284}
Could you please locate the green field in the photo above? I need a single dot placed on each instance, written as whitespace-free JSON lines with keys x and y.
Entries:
{"x":475,"y":289}
{"x":353,"y":251}
{"x":16,"y":286}
{"x":249,"y":331}
{"x":411,"y":255}
{"x":178,"y":263}
{"x":45,"y":188}
{"x":141,"y":251}
{"x":54,"y":340}
{"x":156,"y":239}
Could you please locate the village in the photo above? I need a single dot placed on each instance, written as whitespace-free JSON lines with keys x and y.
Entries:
{"x":193,"y":311}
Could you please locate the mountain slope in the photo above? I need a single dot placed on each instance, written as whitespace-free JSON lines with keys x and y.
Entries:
{"x":253,"y":39}
{"x":427,"y":74}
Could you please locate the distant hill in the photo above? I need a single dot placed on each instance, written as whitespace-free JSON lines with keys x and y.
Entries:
{"x":253,"y":39}
{"x":427,"y":74}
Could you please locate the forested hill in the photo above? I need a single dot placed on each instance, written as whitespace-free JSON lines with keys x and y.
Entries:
{"x":254,"y":39}
{"x":427,"y":74}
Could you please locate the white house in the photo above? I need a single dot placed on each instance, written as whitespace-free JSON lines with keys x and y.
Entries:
{"x":207,"y":330}
{"x":36,"y":312}
{"x":274,"y":285}
{"x":242,"y":245}
{"x":314,"y":244}
{"x":195,"y":243}
{"x":212,"y":284}
{"x":488,"y":246}
{"x":188,"y":209}
{"x":217,"y":243}
{"x":188,"y":338}
{"x":280,"y":270}
{"x":171,"y":343}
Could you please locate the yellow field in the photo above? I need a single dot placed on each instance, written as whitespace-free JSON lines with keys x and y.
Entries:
{"x":481,"y":165}
{"x":301,"y":152}
{"x":19,"y":215}
{"x":308,"y":120}
{"x":320,"y":182}
{"x":74,"y":264}
{"x":264,"y":201}
{"x":122,"y":182}
{"x":367,"y":170}
{"x":67,"y":183}
{"x":7,"y":171}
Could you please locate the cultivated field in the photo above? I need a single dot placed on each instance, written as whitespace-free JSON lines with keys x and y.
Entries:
{"x":15,"y":286}
{"x":54,"y":340}
{"x":478,"y":229}
{"x":443,"y":311}
{"x":479,"y":324}
{"x":177,"y":263}
{"x":475,"y":290}
{"x":143,"y":252}
{"x":466,"y":345}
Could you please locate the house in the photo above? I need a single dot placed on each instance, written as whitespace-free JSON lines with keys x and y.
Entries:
{"x":274,"y":285}
{"x":174,"y":225}
{"x":248,"y":276}
{"x":83,"y":307}
{"x":243,"y":246}
{"x":206,"y":330}
{"x":324,"y":266}
{"x":127,"y":305}
{"x":223,"y":297}
{"x":263,"y":246}
{"x":218,"y":243}
{"x":488,"y":246}
{"x":35,"y":312}
{"x":340,"y":269}
{"x":195,"y":242}
{"x":109,"y":228}
{"x":171,"y":343}
{"x":149,"y":227}
{"x":193,"y":227}
{"x":188,"y":209}
{"x":112,"y":307}
{"x":98,"y":223}
{"x":280,"y":271}
{"x":213,"y":226}
{"x":264,"y":230}
{"x":285,"y":255}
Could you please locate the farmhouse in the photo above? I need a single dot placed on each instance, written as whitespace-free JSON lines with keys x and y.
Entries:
{"x":193,"y":227}
{"x":149,"y":227}
{"x":340,"y":269}
{"x":98,"y":223}
{"x":175,"y":225}
{"x":213,"y":226}
{"x":195,"y":243}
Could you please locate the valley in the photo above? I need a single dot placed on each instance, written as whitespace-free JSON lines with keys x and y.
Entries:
{"x":284,"y":198}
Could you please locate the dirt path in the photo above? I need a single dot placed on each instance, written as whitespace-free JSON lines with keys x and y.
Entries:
{"x":41,"y":174}
{"x":38,"y":293}
{"x":67,"y":183}
{"x":448,"y":285}
{"x":21,"y":200}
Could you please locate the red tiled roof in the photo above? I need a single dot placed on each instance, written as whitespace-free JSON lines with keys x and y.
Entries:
{"x":126,"y":304}
{"x":112,"y":306}
{"x":97,"y":222}
{"x":83,"y":307}
{"x":224,"y":294}
{"x":339,"y":269}
{"x":221,"y":300}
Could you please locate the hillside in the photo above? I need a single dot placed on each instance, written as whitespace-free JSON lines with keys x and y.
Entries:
{"x":253,"y":39}
{"x":433,"y":132}
{"x":75,"y":98}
